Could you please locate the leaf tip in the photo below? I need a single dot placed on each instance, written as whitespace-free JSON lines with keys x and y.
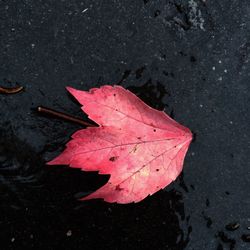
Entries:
{"x":70,"y":89}
{"x":57,"y":161}
{"x":50,"y":163}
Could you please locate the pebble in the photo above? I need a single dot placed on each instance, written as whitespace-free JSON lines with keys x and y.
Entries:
{"x":69,"y":233}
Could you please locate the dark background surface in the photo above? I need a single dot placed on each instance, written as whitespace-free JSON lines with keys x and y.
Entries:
{"x":190,"y":58}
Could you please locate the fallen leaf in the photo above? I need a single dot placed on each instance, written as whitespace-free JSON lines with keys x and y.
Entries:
{"x":142,"y":149}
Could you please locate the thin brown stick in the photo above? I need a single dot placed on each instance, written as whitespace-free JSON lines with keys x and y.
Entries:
{"x":64,"y":116}
{"x":11,"y":90}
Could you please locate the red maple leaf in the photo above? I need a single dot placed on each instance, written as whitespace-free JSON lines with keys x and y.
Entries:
{"x":142,"y":149}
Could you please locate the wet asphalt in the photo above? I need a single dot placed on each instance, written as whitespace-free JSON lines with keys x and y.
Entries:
{"x":188,"y":58}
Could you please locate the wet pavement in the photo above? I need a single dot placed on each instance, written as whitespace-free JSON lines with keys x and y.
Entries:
{"x":190,"y":58}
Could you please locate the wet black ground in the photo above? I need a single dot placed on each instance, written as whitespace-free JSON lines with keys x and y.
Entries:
{"x":190,"y":58}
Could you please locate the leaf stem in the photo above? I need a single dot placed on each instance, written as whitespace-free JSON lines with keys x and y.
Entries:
{"x":63,"y":116}
{"x":11,"y":90}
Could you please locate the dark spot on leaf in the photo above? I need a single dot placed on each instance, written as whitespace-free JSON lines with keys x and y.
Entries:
{"x":232,"y":226}
{"x":116,"y":109}
{"x":118,"y":188}
{"x":154,"y":130}
{"x":113,"y":158}
{"x":114,"y":94}
{"x":139,"y":138}
{"x":134,"y":149}
{"x":157,"y":169}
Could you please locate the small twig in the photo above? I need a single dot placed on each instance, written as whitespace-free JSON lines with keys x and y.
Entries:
{"x":11,"y":90}
{"x":64,"y":116}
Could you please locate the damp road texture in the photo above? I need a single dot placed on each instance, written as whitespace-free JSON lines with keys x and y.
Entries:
{"x":190,"y":58}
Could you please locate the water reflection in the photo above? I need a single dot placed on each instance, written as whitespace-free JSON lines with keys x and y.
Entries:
{"x":152,"y":93}
{"x":20,"y":169}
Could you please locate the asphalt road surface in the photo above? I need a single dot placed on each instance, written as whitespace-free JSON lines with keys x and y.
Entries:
{"x":188,"y":58}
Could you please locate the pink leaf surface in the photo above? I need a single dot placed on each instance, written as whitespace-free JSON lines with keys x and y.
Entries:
{"x":142,"y":149}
